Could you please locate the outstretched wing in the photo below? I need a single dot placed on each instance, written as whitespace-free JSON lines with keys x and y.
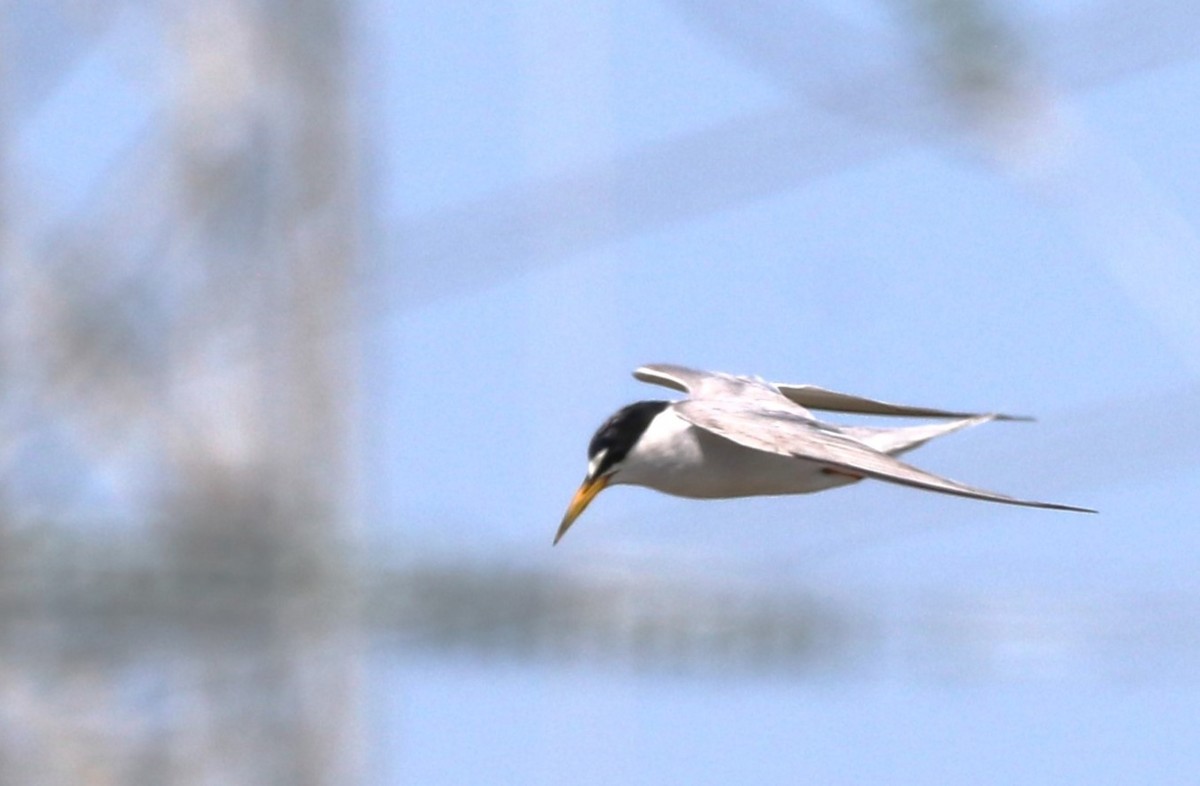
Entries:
{"x":671,"y":376}
{"x":781,"y":432}
{"x":814,"y":397}
{"x":894,"y":441}
{"x":717,"y":386}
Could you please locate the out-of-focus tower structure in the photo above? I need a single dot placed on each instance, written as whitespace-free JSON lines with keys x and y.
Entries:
{"x":176,"y":353}
{"x":178,"y":604}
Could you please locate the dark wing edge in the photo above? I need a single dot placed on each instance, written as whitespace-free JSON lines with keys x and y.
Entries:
{"x":786,"y":435}
{"x":813,"y":397}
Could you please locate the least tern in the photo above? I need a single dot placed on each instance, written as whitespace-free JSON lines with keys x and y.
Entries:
{"x":736,"y":436}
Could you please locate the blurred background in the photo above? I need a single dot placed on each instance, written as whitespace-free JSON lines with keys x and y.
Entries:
{"x":310,"y":309}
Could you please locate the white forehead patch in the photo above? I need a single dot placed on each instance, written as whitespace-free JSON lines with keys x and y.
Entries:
{"x":596,"y":460}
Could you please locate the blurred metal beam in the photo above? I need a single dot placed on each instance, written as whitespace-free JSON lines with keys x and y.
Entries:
{"x":260,"y":383}
{"x":126,"y":609}
{"x":48,"y":40}
{"x":487,"y":241}
{"x":118,"y":608}
{"x":249,"y":609}
{"x":192,"y":311}
{"x":859,"y":114}
{"x":1107,"y":41}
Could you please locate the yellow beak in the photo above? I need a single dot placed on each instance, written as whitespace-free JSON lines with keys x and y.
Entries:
{"x":590,"y":488}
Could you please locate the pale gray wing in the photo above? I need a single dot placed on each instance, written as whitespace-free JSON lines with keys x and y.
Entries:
{"x":894,"y":441}
{"x":717,"y":385}
{"x":671,"y":376}
{"x":781,"y":432}
{"x":814,"y":397}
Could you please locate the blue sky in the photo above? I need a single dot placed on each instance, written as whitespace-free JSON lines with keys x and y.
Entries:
{"x":557,"y":193}
{"x":928,"y":270}
{"x":1048,"y":274}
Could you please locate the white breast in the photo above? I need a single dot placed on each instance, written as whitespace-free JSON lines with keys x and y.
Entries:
{"x":675,"y":457}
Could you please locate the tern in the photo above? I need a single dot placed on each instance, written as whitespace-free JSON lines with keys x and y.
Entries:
{"x":737,"y":436}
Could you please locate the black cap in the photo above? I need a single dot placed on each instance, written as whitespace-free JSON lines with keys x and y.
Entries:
{"x":621,"y":432}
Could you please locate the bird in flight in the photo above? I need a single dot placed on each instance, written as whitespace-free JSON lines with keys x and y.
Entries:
{"x":736,"y":436}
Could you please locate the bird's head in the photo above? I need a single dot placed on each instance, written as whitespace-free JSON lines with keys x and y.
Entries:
{"x":607,"y":453}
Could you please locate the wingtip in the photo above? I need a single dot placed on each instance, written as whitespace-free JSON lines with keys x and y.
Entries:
{"x":1070,"y":508}
{"x":659,"y":374}
{"x":1014,"y":418}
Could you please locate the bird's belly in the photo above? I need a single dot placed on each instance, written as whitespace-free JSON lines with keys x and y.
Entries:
{"x":709,"y":467}
{"x":758,"y":476}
